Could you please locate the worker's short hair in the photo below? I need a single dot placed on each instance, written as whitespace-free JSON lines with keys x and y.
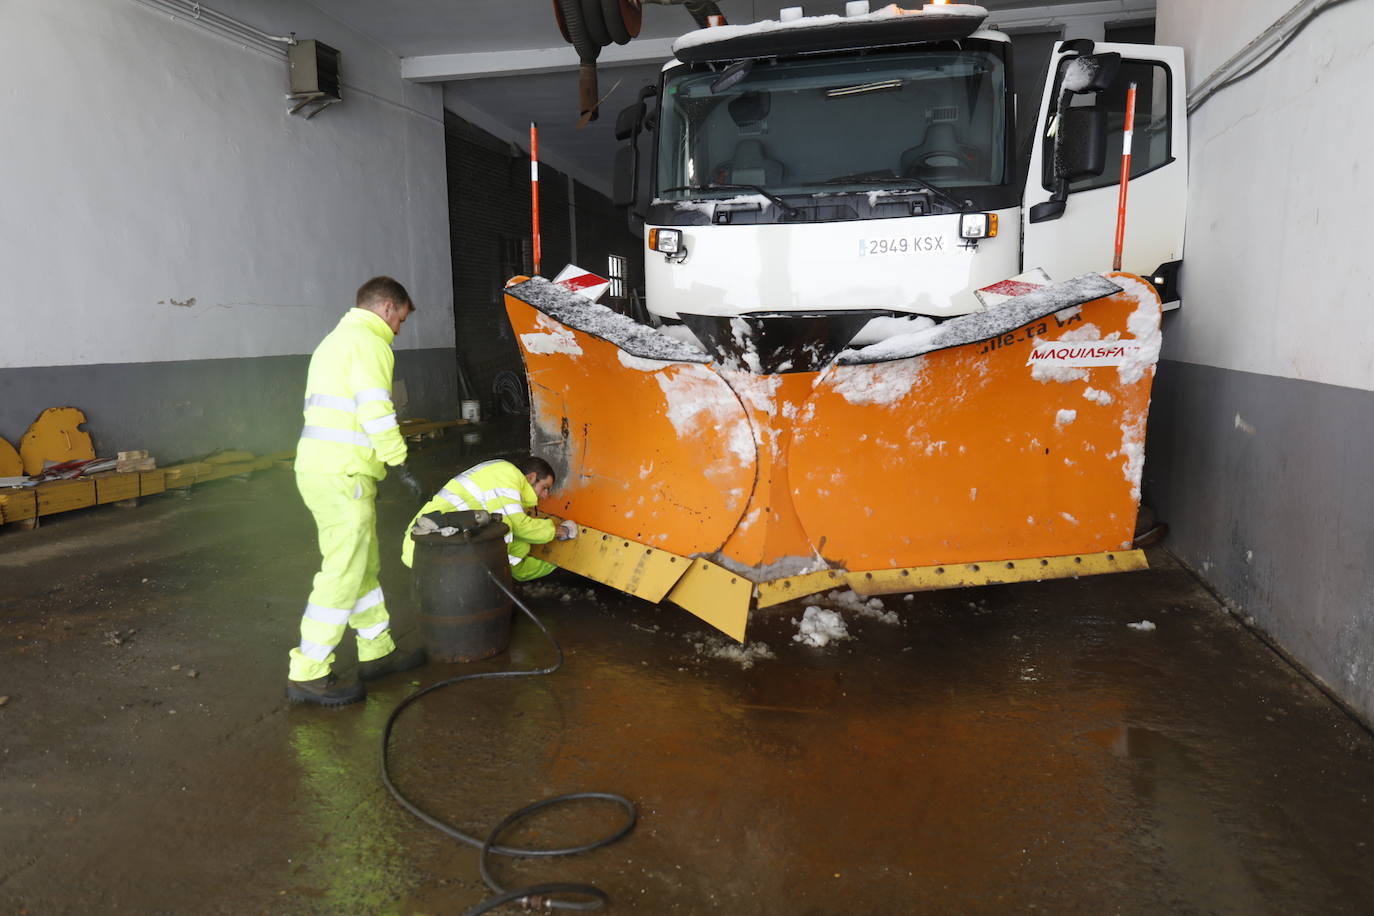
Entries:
{"x":382,"y":289}
{"x":531,"y":464}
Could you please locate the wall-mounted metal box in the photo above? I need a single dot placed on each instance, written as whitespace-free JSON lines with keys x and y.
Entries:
{"x":313,"y":69}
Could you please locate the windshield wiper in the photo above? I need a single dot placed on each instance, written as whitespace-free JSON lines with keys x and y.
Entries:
{"x":786,"y":208}
{"x":887,"y":180}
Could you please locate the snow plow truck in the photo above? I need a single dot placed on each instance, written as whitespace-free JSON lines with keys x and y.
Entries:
{"x":879,"y":353}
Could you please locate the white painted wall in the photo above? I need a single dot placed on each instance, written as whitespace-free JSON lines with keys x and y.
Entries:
{"x":1279,"y":279}
{"x":144,"y":160}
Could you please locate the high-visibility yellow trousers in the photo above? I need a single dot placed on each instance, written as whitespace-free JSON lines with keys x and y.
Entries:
{"x":346,"y":592}
{"x":528,"y":567}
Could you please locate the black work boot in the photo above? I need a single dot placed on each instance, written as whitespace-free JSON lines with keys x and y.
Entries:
{"x":396,"y":660}
{"x":325,"y":691}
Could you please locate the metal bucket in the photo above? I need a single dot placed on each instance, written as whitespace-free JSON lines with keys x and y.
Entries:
{"x":463,"y":616}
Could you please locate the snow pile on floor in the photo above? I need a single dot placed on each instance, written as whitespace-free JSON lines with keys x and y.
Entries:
{"x":850,"y":600}
{"x":820,"y":627}
{"x":1144,"y":626}
{"x":744,"y":656}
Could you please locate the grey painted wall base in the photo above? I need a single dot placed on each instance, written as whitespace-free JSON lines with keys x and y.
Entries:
{"x":180,"y":410}
{"x":1266,"y":485}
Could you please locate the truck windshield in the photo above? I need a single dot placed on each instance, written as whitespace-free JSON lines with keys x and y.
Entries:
{"x":836,"y":124}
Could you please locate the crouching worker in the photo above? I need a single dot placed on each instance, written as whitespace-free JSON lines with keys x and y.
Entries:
{"x":510,"y":490}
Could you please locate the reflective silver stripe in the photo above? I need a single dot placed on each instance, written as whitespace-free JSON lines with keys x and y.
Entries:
{"x":514,"y":561}
{"x":371,"y":394}
{"x":379,"y":425}
{"x":333,"y":615}
{"x":316,"y":651}
{"x":453,"y":498}
{"x":347,"y":437}
{"x":374,"y":631}
{"x":505,"y":493}
{"x":511,"y":509}
{"x":331,"y":401}
{"x":371,"y":599}
{"x":330,"y":615}
{"x":471,"y":489}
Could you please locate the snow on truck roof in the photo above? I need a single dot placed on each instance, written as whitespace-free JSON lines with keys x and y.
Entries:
{"x":888,"y":26}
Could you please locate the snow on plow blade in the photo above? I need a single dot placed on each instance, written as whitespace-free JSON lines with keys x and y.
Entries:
{"x":1005,"y":445}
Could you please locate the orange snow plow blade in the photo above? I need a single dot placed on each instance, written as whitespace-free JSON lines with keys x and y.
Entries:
{"x":1005,"y":445}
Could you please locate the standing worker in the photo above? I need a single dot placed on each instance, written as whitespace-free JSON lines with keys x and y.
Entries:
{"x":508,"y":489}
{"x":350,"y":433}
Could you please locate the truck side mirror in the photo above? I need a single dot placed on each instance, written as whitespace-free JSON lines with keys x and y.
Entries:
{"x":1080,"y":148}
{"x":623,"y":181}
{"x":627,"y":123}
{"x":1080,"y":133}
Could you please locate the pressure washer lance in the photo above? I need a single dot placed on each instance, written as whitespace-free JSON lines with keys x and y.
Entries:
{"x":548,"y":896}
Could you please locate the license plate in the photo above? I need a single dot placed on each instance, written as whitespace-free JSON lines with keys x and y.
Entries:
{"x":901,"y":244}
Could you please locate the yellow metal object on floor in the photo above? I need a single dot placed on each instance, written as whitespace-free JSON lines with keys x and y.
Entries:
{"x":716,"y":595}
{"x":960,"y":575}
{"x":635,"y":569}
{"x":780,"y":591}
{"x":11,"y":465}
{"x":53,"y":438}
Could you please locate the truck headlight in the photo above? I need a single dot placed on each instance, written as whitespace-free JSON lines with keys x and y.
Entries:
{"x":667,"y":241}
{"x":978,"y":225}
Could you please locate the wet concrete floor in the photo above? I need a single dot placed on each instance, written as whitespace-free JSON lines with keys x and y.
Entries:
{"x":1009,"y":749}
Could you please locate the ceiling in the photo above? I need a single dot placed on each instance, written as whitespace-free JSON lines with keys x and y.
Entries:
{"x":503,"y":63}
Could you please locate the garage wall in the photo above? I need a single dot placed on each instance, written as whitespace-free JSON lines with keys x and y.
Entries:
{"x":173,"y":243}
{"x":1263,"y":424}
{"x":489,"y":197}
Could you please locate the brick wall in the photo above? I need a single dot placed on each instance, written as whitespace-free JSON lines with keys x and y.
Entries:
{"x":489,"y":214}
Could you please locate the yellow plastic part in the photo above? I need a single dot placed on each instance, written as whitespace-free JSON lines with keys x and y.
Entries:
{"x":716,"y":595}
{"x":635,"y":569}
{"x":53,"y":438}
{"x":960,"y":575}
{"x":11,"y":465}
{"x":790,"y":588}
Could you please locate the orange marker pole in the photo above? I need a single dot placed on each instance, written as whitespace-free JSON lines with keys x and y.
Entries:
{"x":1125,"y":176}
{"x":534,"y":190}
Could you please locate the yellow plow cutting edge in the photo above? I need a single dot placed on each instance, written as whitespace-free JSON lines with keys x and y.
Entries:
{"x":1014,"y":435}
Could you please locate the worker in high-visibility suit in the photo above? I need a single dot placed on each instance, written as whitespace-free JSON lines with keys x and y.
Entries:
{"x":350,"y":433}
{"x":510,"y":490}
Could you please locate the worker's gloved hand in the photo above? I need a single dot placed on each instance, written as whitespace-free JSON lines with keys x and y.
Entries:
{"x":567,"y":530}
{"x":408,"y":480}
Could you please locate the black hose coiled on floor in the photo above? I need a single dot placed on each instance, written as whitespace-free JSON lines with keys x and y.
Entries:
{"x":537,"y":894}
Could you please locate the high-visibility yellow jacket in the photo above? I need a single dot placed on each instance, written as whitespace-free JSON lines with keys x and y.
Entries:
{"x":499,"y":488}
{"x":350,"y":422}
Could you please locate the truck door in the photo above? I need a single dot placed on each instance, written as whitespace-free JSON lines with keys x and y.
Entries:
{"x":1081,"y":238}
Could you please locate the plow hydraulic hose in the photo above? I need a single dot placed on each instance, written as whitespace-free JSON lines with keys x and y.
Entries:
{"x":547,"y":896}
